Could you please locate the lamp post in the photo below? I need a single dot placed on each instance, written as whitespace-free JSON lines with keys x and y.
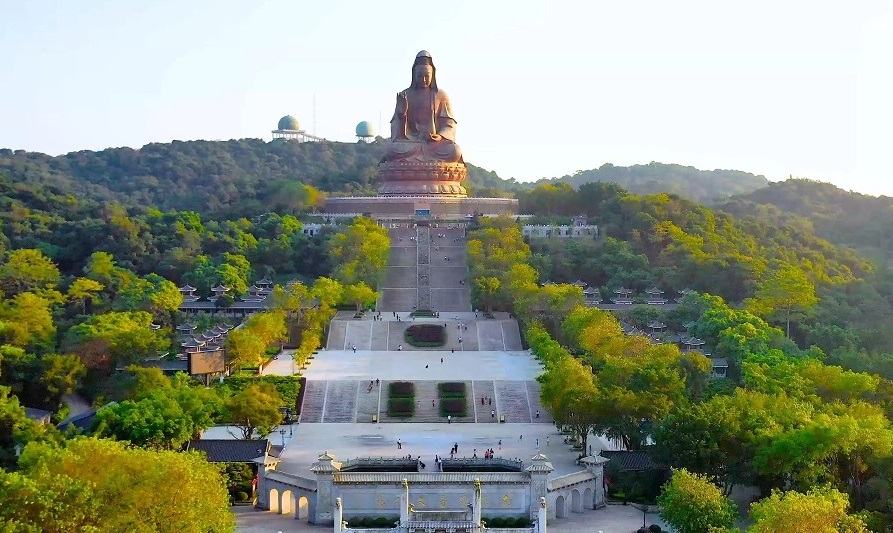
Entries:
{"x":282,"y":432}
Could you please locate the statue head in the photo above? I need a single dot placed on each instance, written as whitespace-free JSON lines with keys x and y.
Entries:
{"x":424,"y":75}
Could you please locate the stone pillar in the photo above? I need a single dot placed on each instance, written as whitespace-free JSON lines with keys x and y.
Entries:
{"x":596,"y":465}
{"x":339,"y":516}
{"x":539,"y":471}
{"x":264,"y":464}
{"x":541,"y":517}
{"x":325,"y":468}
{"x":478,"y":503}
{"x":404,"y":504}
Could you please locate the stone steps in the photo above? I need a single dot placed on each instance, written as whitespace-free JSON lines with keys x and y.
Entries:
{"x":367,"y":402}
{"x":512,"y":399}
{"x":512,"y":334}
{"x":486,"y":389}
{"x":533,"y":393}
{"x":341,"y":401}
{"x":314,"y":402}
{"x":425,"y":391}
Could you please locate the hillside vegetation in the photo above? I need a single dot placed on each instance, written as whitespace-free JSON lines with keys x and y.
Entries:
{"x":242,"y":177}
{"x":847,"y":218}
{"x":702,"y":186}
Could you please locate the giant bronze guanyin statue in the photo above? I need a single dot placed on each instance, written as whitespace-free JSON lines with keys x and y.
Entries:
{"x":423,"y":157}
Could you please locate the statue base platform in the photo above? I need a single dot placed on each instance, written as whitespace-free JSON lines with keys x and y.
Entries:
{"x":407,"y":178}
{"x":410,"y":206}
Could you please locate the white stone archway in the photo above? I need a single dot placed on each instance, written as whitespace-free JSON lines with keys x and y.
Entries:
{"x":288,"y":502}
{"x":576,"y":501}
{"x":588,"y":502}
{"x":560,"y":507}
{"x":303,"y":508}
{"x":274,"y":500}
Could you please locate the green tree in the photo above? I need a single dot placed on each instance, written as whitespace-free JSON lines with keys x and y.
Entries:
{"x":254,"y":409}
{"x":486,"y":290}
{"x":124,"y":337}
{"x":27,"y":321}
{"x":783,"y":293}
{"x":692,"y":504}
{"x":822,"y":509}
{"x":156,"y":422}
{"x":61,"y":489}
{"x":28,"y":269}
{"x":16,"y":429}
{"x":162,"y":415}
{"x":360,"y":294}
{"x":244,"y":348}
{"x":60,"y":375}
{"x":83,"y":289}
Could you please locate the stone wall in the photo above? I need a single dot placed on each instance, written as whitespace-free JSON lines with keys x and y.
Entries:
{"x":407,"y":205}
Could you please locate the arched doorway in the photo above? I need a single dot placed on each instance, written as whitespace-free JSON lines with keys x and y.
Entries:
{"x":288,"y":502}
{"x":588,"y":503}
{"x":560,"y":507}
{"x":303,"y":507}
{"x":576,"y":501}
{"x":274,"y":500}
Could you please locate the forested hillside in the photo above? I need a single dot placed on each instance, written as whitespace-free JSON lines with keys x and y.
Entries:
{"x":843,"y":217}
{"x":699,"y":185}
{"x":672,"y":243}
{"x":243,"y":177}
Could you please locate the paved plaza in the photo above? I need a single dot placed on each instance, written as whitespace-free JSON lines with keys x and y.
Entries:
{"x":612,"y":519}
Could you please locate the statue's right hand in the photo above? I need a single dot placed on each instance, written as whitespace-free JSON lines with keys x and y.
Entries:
{"x":402,"y":101}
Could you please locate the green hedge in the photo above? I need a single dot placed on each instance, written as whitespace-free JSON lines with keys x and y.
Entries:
{"x":453,"y":406}
{"x":401,"y":389}
{"x":401,"y":407}
{"x":451,"y":389}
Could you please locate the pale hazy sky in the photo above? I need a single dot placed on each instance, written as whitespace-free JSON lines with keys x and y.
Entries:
{"x":540,"y":88}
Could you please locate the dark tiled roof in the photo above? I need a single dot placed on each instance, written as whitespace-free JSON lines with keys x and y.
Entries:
{"x":637,"y":460}
{"x":82,"y":421}
{"x":38,"y":414}
{"x":231,"y":450}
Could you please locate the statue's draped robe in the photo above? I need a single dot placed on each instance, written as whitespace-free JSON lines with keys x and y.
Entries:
{"x":428,"y":112}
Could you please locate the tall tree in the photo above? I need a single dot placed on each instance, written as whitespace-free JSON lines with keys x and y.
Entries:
{"x":254,"y":409}
{"x":692,"y":504}
{"x":783,"y":293}
{"x":61,"y":489}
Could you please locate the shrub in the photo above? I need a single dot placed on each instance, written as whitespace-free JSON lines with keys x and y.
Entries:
{"x":451,"y":389}
{"x":383,"y":521}
{"x":401,"y":389}
{"x":401,"y":407}
{"x":241,"y":496}
{"x":453,"y":406}
{"x":496,"y":521}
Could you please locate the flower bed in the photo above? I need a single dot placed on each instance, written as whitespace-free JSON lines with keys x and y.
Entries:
{"x":425,"y":335}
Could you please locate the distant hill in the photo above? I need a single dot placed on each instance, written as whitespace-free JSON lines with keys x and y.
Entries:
{"x":703,"y":186}
{"x":843,"y":217}
{"x":236,"y":177}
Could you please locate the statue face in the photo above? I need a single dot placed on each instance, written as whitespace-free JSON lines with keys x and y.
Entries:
{"x":424,"y":74}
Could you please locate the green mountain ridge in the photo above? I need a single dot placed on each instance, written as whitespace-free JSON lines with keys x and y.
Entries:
{"x":846,"y":218}
{"x":703,"y":186}
{"x":248,"y":176}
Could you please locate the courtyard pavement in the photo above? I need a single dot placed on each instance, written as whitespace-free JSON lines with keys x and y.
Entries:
{"x":611,"y":519}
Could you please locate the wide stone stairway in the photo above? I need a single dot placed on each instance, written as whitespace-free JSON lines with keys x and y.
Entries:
{"x":349,"y":401}
{"x":427,"y":270}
